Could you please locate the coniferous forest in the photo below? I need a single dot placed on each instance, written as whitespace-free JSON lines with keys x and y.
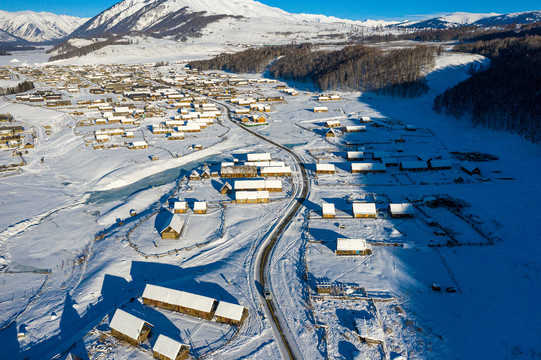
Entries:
{"x":357,"y":67}
{"x":506,"y":96}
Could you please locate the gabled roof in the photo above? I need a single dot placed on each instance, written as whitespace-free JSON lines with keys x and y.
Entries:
{"x":351,"y":244}
{"x":229,"y":311}
{"x":403,"y":208}
{"x":364,"y":208}
{"x":167,"y":347}
{"x":180,"y":298}
{"x":175,"y":222}
{"x":127,"y":324}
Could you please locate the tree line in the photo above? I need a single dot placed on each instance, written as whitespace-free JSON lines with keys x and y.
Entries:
{"x":69,"y":51}
{"x":357,"y":67}
{"x":20,"y":88}
{"x":506,"y":96}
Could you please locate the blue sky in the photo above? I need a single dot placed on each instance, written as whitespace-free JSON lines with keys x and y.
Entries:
{"x":350,"y":9}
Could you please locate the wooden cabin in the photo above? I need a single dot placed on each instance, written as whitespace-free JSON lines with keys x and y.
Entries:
{"x":166,"y":348}
{"x":172,"y":228}
{"x":332,"y":123}
{"x":355,"y":128}
{"x":191,"y":304}
{"x":180,"y":207}
{"x":200,"y":207}
{"x":352,"y":247}
{"x":330,"y":133}
{"x":240,"y":171}
{"x":439,"y":164}
{"x":470,"y":168}
{"x":328,"y":211}
{"x":226,"y":189}
{"x":364,"y":210}
{"x":231,"y":314}
{"x":355,"y":155}
{"x":320,"y":109}
{"x":252,"y":197}
{"x":195,"y":175}
{"x":325,"y":169}
{"x":413,"y":165}
{"x":401,"y":210}
{"x":366,"y":168}
{"x":129,"y":328}
{"x":276,"y":171}
{"x":370,"y":331}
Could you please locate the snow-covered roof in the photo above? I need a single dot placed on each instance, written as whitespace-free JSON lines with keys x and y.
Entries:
{"x":368,"y":167}
{"x":369,"y":329}
{"x":179,"y":298}
{"x":403,"y":208}
{"x":229,"y":311}
{"x":469,"y":166}
{"x":364,"y":208}
{"x":180,"y":205}
{"x":257,"y":184}
{"x":127,"y":324}
{"x":200,"y":205}
{"x":167,"y":347}
{"x":139,"y":143}
{"x":175,"y":222}
{"x":328,"y":209}
{"x":324,"y":167}
{"x":355,"y":154}
{"x":251,"y":195}
{"x":259,"y":157}
{"x":276,"y":170}
{"x":350,"y":244}
{"x":355,"y":128}
{"x":332,"y":122}
{"x":414,"y":164}
{"x":440,"y":163}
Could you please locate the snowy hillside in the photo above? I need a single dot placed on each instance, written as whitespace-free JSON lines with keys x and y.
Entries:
{"x":38,"y":27}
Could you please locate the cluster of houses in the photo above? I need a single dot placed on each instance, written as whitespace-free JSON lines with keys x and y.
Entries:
{"x":368,"y":210}
{"x":135,"y":331}
{"x":13,"y":135}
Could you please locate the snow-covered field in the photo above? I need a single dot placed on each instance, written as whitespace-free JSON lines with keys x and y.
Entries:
{"x":68,"y":262}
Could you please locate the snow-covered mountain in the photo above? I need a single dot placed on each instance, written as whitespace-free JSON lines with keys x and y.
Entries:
{"x":507,"y":19}
{"x":448,"y":21}
{"x":484,"y":20}
{"x":187,"y":17}
{"x":38,"y":27}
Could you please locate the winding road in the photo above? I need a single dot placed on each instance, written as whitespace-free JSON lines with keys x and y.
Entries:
{"x":288,"y":347}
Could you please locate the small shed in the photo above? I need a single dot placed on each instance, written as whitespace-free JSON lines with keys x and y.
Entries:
{"x":180,"y":207}
{"x":352,"y":247}
{"x":200,"y":207}
{"x":166,"y":348}
{"x":370,"y":331}
{"x":229,"y":313}
{"x":320,"y":109}
{"x":470,"y":168}
{"x":330,"y":133}
{"x":226,"y":189}
{"x":364,"y":210}
{"x":332,"y":123}
{"x":401,"y":210}
{"x":328,"y":210}
{"x":129,"y":328}
{"x":172,"y":228}
{"x":355,"y":128}
{"x":195,"y":175}
{"x":325,"y":169}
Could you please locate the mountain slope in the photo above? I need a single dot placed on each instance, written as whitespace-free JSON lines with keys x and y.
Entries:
{"x":448,"y":21}
{"x":38,"y":27}
{"x":508,"y":19}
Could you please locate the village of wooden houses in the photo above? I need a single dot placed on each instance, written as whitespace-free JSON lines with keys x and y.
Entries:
{"x":213,"y":210}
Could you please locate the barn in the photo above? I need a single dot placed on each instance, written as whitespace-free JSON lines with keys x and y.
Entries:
{"x":413,"y":165}
{"x":364,"y":210}
{"x":275,"y":171}
{"x":166,"y":348}
{"x":352,"y":247}
{"x":325,"y":169}
{"x":328,"y":211}
{"x":401,"y":210}
{"x":366,"y":168}
{"x":240,"y":171}
{"x":231,"y":314}
{"x":355,"y":155}
{"x":439,"y":164}
{"x":129,"y":328}
{"x":181,"y":301}
{"x":172,"y":228}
